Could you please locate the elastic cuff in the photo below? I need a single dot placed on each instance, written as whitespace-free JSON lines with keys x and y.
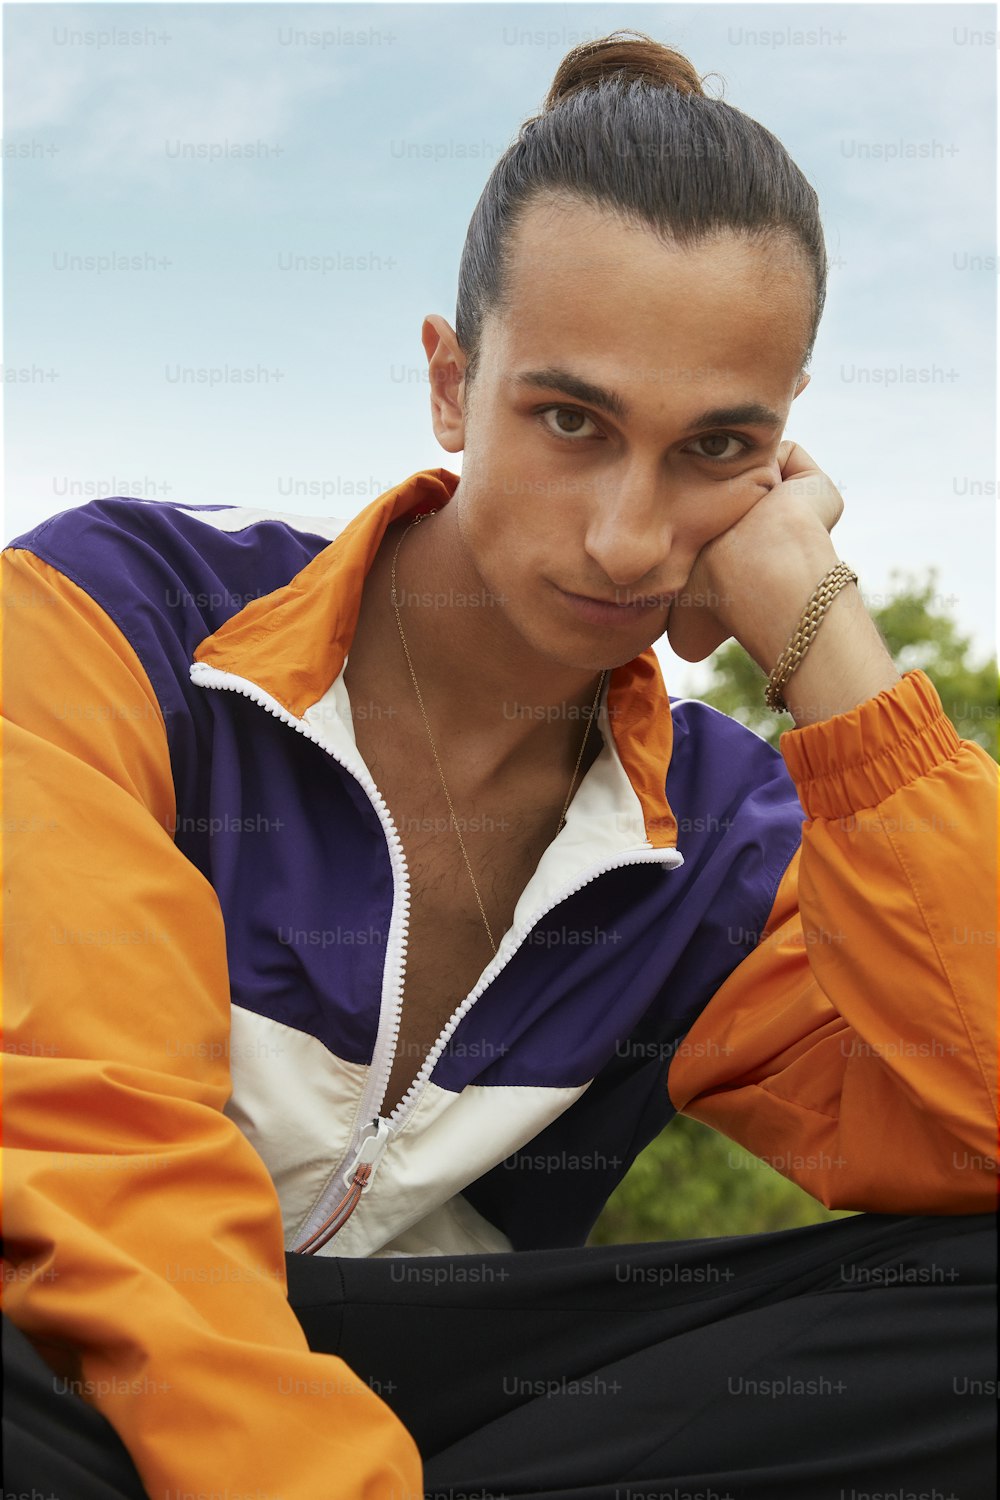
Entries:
{"x":857,"y":759}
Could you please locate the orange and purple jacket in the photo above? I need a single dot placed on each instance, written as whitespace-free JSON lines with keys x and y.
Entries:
{"x":206,"y":920}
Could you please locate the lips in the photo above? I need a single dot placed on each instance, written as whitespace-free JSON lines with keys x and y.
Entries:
{"x":637,"y":603}
{"x":598,"y":611}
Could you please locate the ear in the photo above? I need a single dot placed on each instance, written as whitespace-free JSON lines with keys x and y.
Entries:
{"x":804,"y":379}
{"x":446,"y":366}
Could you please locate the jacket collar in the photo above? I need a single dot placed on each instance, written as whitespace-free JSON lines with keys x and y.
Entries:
{"x":294,"y":641}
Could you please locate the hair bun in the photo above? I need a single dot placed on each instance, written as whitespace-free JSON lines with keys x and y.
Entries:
{"x":628,"y":55}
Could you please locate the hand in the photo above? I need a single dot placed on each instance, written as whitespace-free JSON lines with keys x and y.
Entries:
{"x":753,"y":580}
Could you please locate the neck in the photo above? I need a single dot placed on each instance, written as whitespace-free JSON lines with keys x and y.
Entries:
{"x":483,"y":687}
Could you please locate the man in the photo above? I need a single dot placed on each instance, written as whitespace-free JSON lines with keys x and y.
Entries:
{"x":301,"y":963}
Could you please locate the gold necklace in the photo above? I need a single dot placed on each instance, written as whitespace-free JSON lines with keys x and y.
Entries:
{"x":444,"y":784}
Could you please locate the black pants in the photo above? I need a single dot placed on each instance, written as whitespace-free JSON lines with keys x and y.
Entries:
{"x":835,"y":1362}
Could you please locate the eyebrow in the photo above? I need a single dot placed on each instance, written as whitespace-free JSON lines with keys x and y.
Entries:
{"x":752,"y":413}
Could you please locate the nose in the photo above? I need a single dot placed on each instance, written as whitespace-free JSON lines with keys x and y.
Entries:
{"x":630,"y":538}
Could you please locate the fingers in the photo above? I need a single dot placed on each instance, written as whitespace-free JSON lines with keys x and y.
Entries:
{"x":793,"y":459}
{"x":795,"y":463}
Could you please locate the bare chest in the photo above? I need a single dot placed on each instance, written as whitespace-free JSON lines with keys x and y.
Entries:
{"x":448,"y":943}
{"x":504,"y":834}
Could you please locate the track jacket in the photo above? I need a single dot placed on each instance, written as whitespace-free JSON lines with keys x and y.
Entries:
{"x":206,"y":925}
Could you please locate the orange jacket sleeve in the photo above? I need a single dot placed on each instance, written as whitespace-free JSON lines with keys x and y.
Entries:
{"x":855,"y":1047}
{"x":143,"y":1239}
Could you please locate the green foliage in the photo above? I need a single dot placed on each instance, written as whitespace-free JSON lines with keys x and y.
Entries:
{"x":691,"y":1182}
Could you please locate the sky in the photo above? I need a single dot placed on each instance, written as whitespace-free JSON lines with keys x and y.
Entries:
{"x":224,"y":224}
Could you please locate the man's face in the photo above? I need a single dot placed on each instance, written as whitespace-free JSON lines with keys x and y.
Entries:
{"x":560,"y":496}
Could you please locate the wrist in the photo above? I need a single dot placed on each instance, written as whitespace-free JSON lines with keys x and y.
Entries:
{"x":846,"y":664}
{"x":767,"y":604}
{"x":810,"y":621}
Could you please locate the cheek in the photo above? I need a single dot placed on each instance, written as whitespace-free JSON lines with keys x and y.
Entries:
{"x":524,"y":549}
{"x":520,"y":513}
{"x":495,"y":528}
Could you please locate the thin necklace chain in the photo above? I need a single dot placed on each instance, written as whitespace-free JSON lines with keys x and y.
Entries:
{"x":437,"y":759}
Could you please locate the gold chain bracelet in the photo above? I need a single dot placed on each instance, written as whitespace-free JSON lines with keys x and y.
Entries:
{"x":826,"y":591}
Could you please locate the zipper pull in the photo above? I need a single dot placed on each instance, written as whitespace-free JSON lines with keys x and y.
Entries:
{"x":358,"y":1178}
{"x":374,"y":1139}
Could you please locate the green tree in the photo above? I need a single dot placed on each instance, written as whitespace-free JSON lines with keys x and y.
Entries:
{"x":691,"y":1182}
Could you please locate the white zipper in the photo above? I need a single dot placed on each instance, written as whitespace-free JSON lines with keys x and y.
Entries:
{"x":369,"y":1144}
{"x":643,"y":856}
{"x":357,"y":1180}
{"x":206,"y":676}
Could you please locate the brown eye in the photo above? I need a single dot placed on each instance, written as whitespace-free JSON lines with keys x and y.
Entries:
{"x":575,"y":418}
{"x":569,"y":421}
{"x":721,"y":442}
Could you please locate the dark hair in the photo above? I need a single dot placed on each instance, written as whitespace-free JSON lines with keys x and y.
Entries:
{"x":627,"y":125}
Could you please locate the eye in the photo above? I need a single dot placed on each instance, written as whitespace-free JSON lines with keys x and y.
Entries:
{"x":723,"y":438}
{"x":573,"y":414}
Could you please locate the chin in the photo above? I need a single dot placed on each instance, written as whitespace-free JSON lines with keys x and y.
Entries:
{"x":589,"y":649}
{"x":580,"y":657}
